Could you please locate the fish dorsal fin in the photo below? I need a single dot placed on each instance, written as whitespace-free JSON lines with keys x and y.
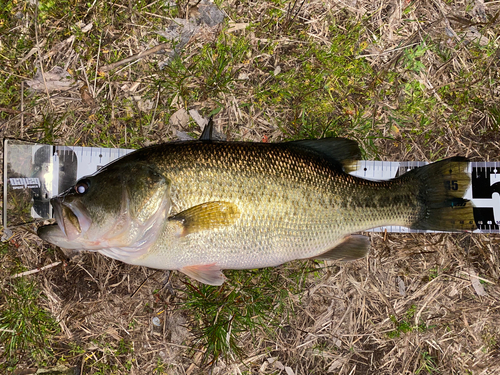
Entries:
{"x":206,"y":216}
{"x":208,"y":130}
{"x":352,"y":247}
{"x":341,"y":150}
{"x":210,"y":274}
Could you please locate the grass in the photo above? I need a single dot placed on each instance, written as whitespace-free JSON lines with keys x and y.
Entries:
{"x":406,"y":325}
{"x":391,"y":78}
{"x":428,"y":364}
{"x":248,"y":303}
{"x":26,"y":328}
{"x":108,"y":357}
{"x":324,"y":88}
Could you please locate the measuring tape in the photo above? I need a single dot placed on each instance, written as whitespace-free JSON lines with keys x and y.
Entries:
{"x":33,"y":173}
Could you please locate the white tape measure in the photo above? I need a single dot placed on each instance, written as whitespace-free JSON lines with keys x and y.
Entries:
{"x":33,"y":173}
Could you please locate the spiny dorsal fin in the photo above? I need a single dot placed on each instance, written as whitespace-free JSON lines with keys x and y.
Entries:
{"x":341,"y":150}
{"x":206,"y":216}
{"x":207,"y":134}
{"x":352,"y":247}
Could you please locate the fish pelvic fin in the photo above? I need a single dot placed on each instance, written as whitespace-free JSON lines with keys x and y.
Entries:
{"x":352,"y":247}
{"x":206,"y":216}
{"x":210,"y":274}
{"x":442,"y":186}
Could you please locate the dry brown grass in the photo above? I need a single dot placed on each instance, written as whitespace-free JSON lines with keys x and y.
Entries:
{"x":412,"y":307}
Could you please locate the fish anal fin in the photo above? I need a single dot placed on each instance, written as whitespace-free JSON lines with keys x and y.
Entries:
{"x":206,"y":216}
{"x":210,"y":274}
{"x":352,"y":247}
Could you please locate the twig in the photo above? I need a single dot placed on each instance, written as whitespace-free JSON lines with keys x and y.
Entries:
{"x":156,"y":106}
{"x":387,"y":51}
{"x":140,"y":286}
{"x":29,"y":54}
{"x":478,"y":277}
{"x":40,"y":58}
{"x":137,"y":56}
{"x":35,"y":270}
{"x":7,"y":330}
{"x":96,"y":66}
{"x":22,"y":109}
{"x":15,"y":111}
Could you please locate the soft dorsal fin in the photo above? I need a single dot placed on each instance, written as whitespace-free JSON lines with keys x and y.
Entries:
{"x":206,"y":216}
{"x":208,"y":130}
{"x":342,"y":150}
{"x":352,"y":247}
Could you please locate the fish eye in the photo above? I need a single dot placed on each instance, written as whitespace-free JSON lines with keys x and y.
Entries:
{"x":82,"y":186}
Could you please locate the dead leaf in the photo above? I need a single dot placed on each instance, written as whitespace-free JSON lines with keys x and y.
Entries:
{"x":200,"y":120}
{"x":179,"y":119}
{"x":479,"y":11}
{"x":476,"y":284}
{"x":243,"y":76}
{"x":145,"y":105}
{"x":87,"y":99}
{"x":474,"y":35}
{"x":87,"y":27}
{"x":206,"y":20}
{"x":237,"y":26}
{"x":402,"y":287}
{"x":395,"y":131}
{"x":210,"y":14}
{"x":57,"y":79}
{"x":183,"y":136}
{"x":113,"y":333}
{"x":338,"y":363}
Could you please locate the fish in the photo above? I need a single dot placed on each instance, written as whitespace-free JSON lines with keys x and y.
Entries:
{"x":204,"y":206}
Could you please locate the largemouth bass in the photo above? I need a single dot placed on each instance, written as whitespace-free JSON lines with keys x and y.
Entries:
{"x":204,"y":206}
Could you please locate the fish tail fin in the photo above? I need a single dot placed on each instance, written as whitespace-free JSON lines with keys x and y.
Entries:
{"x":442,"y":186}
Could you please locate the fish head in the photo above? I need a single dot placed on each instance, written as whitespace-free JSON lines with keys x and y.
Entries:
{"x":119,"y":207}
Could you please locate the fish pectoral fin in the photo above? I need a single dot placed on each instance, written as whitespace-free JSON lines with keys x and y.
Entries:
{"x":206,"y":216}
{"x":210,"y":274}
{"x":352,"y":247}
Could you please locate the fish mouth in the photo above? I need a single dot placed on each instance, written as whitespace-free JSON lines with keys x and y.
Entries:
{"x":71,"y":217}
